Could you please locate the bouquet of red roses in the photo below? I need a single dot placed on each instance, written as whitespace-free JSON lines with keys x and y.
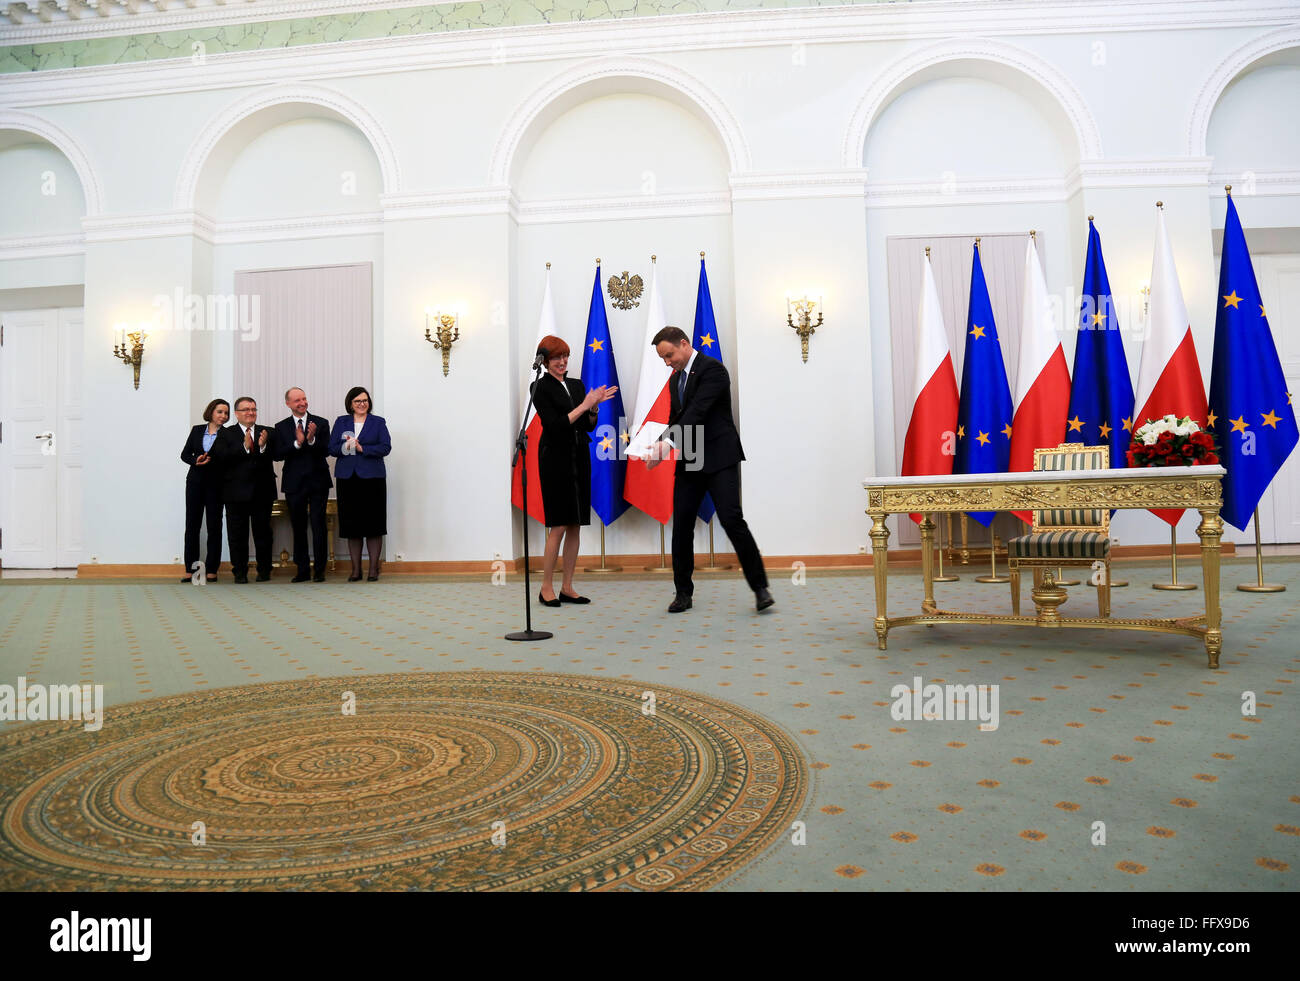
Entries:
{"x":1171,"y":442}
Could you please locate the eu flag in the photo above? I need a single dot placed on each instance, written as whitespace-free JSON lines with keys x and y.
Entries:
{"x":1101,"y":395}
{"x":705,"y":340}
{"x":1250,"y":409}
{"x":984,"y":412}
{"x":608,"y":464}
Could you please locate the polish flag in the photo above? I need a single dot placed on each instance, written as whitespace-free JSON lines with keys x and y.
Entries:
{"x":928,"y":447}
{"x":648,"y":490}
{"x":1169,"y":375}
{"x":1042,"y":403}
{"x":545,"y":326}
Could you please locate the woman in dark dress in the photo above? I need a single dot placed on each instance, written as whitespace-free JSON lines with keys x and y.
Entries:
{"x":568,"y":414}
{"x":360,"y":440}
{"x":203,"y":489}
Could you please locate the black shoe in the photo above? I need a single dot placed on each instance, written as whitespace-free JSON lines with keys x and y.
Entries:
{"x":263,"y":577}
{"x":763,"y":599}
{"x":355,"y":577}
{"x":319,"y":577}
{"x":242,"y":580}
{"x":374,"y":578}
{"x":212,"y":578}
{"x":186,"y":579}
{"x":300,"y":577}
{"x":680,"y":604}
{"x":546,"y":602}
{"x":565,"y":598}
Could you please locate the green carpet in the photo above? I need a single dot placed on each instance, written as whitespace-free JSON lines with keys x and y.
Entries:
{"x":1124,"y":728}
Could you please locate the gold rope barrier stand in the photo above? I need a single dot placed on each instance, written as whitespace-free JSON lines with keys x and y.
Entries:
{"x":663,"y":565}
{"x":603,"y":567}
{"x":1259,"y":585}
{"x":993,"y":560}
{"x":1173,"y":565}
{"x":941,"y":577}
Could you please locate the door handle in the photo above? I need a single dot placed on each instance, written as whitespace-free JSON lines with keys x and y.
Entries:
{"x":44,"y":436}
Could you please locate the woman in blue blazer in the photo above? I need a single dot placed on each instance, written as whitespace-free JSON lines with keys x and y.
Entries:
{"x":360,"y":441}
{"x":203,"y":489}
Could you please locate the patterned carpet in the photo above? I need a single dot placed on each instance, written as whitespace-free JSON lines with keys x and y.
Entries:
{"x":459,"y":781}
{"x":1123,"y":734}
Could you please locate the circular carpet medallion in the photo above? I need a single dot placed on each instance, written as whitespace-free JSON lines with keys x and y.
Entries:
{"x":467,"y":781}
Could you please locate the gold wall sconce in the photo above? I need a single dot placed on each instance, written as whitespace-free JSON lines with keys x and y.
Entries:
{"x":128,"y":347}
{"x":445,"y":334}
{"x":802,"y":308}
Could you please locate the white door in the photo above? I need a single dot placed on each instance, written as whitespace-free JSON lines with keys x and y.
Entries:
{"x":1279,"y":287}
{"x":40,"y":416}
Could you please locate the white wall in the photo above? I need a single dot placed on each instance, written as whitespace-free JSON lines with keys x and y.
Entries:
{"x":748,"y":138}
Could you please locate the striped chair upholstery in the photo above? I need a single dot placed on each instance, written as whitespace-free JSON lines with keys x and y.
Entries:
{"x":1064,"y":536}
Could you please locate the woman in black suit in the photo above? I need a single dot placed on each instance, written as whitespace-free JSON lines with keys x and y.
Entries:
{"x":568,"y":414}
{"x":203,"y":488}
{"x":359,"y":440}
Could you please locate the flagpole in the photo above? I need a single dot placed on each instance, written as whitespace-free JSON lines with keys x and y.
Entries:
{"x":1259,"y":585}
{"x":993,"y":560}
{"x":663,"y":565}
{"x":1173,"y":565}
{"x":713,"y":561}
{"x":603,"y":567}
{"x":941,"y":577}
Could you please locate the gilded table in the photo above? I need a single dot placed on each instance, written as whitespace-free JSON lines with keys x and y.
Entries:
{"x":1197,"y":488}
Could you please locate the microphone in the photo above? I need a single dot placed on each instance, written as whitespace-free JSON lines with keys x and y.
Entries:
{"x":539,"y":360}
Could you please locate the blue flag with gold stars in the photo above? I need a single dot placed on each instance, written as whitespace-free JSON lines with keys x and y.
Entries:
{"x":705,"y":340}
{"x":984,"y":411}
{"x":1101,"y":393}
{"x":608,"y":464}
{"x":1250,"y":409}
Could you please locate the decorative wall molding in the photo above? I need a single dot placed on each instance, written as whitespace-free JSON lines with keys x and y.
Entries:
{"x":1198,"y":124}
{"x":799,"y":185}
{"x":463,"y":203}
{"x":966,"y":191}
{"x":342,"y":105}
{"x":162,"y":224}
{"x":42,"y":246}
{"x":1154,"y":173}
{"x":624,"y":207}
{"x":572,"y":86}
{"x":1255,"y":183}
{"x":898,"y":76}
{"x":168,"y":224}
{"x":58,"y":137}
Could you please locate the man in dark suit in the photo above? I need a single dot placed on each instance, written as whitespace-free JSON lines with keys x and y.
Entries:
{"x":248,"y":488}
{"x":302,"y":441}
{"x":701,"y":422}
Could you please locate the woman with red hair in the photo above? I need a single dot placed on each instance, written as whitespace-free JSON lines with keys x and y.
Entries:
{"x":568,"y":414}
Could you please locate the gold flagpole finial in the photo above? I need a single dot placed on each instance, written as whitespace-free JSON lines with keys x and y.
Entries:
{"x":652,"y":258}
{"x":977,"y":241}
{"x":701,"y":255}
{"x":1090,"y":219}
{"x":927,"y":251}
{"x":598,"y":260}
{"x":1160,"y":205}
{"x":1228,"y":188}
{"x":1034,"y":235}
{"x":548,"y":265}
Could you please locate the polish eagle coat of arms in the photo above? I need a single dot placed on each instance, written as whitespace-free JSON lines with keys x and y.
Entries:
{"x":626,"y":291}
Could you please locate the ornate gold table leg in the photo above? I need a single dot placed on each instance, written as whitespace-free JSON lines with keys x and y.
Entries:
{"x":880,"y":566}
{"x":965,"y":545}
{"x":927,"y":563}
{"x":1210,"y":531}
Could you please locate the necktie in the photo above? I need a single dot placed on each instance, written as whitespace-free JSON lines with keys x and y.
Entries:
{"x":681,"y":387}
{"x":300,"y":427}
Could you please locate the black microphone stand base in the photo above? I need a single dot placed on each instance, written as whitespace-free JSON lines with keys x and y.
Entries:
{"x":530,"y":635}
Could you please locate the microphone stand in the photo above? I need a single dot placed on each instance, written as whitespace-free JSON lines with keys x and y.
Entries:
{"x":521,"y":453}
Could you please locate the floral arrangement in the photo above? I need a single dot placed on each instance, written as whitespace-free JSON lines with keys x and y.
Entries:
{"x":1171,"y":442}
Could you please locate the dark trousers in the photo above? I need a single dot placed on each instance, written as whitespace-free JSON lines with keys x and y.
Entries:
{"x":239,"y":515}
{"x":203,"y":499}
{"x":689,"y":489}
{"x":300,"y":505}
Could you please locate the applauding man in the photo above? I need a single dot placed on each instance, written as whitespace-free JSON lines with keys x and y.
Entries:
{"x":700,"y":419}
{"x":302,"y":441}
{"x":248,"y":488}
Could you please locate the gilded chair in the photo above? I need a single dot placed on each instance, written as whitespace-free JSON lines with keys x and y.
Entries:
{"x":1064,"y":537}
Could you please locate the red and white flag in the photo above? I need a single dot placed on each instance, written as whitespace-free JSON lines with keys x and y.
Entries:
{"x":1042,"y":402}
{"x":1169,"y":375}
{"x":927,"y":448}
{"x":533,"y":429}
{"x":647,"y":490}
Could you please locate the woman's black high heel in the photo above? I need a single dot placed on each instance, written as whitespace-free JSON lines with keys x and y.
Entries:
{"x":546,"y":602}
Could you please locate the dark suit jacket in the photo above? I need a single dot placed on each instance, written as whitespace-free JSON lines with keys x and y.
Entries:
{"x":305,"y":467}
{"x":375,"y":445}
{"x":707,"y":405}
{"x":193,"y":448}
{"x":247,"y":477}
